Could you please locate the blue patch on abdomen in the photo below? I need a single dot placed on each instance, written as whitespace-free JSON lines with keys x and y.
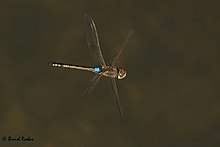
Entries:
{"x":97,"y":69}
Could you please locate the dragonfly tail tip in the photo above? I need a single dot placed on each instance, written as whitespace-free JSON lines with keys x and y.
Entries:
{"x":50,"y":63}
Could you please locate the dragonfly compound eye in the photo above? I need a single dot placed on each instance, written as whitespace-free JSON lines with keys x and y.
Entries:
{"x":121,"y":73}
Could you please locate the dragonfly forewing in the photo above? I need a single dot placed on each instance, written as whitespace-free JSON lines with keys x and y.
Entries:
{"x":93,"y":40}
{"x":115,"y":58}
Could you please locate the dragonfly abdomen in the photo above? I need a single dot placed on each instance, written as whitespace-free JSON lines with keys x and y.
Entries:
{"x":55,"y":64}
{"x":97,"y":69}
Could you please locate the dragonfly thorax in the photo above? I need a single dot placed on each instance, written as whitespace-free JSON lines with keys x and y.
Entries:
{"x":113,"y":72}
{"x":121,"y":73}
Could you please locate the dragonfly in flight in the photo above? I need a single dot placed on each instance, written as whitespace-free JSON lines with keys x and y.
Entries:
{"x":111,"y":71}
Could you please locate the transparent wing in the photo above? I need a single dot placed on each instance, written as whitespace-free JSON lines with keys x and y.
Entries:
{"x":93,"y":40}
{"x":117,"y":98}
{"x":92,"y":85}
{"x":115,"y":58}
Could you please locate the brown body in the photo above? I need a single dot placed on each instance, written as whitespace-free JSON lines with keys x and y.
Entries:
{"x":109,"y":71}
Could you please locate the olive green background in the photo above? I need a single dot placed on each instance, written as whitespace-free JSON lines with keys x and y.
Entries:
{"x":171,"y":95}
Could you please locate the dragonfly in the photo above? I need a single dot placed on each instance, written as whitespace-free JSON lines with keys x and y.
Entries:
{"x":102,"y":69}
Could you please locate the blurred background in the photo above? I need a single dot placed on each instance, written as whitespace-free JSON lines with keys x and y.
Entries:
{"x":171,"y":93}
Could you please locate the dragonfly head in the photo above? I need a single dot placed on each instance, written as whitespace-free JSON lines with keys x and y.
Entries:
{"x":121,"y":73}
